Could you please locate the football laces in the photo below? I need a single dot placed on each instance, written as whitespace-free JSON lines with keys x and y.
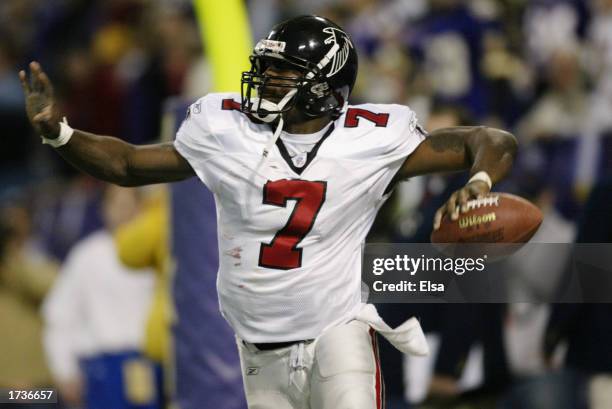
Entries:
{"x":486,"y":201}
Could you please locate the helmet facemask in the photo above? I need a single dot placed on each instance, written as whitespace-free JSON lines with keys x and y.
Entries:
{"x":313,"y":95}
{"x":260,"y":90}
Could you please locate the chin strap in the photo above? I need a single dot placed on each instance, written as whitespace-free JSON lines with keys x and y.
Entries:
{"x":279,"y":128}
{"x":271,"y":106}
{"x":275,"y":136}
{"x":281,"y":122}
{"x":269,"y":118}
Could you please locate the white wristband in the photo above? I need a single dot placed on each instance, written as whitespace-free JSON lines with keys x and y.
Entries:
{"x":64,"y":136}
{"x":483,"y":177}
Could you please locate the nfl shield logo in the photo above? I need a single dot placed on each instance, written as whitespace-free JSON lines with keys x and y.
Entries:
{"x":299,"y":160}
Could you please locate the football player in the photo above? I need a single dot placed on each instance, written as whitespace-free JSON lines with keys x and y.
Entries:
{"x":298,"y":175}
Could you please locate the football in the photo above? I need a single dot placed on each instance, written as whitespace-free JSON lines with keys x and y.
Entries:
{"x":495,"y":218}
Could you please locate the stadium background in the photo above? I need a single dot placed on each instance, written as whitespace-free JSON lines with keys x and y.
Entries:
{"x":542,"y":69}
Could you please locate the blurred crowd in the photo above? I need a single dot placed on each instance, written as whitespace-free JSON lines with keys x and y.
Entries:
{"x":541,"y":69}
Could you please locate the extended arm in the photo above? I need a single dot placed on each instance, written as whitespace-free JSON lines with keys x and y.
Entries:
{"x":115,"y":161}
{"x":103,"y":157}
{"x":458,"y":148}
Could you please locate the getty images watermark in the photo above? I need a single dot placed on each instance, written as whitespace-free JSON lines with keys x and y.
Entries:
{"x":487,"y":273}
{"x":402,"y":263}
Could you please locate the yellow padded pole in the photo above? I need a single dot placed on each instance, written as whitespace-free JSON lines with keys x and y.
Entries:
{"x":226,"y":36}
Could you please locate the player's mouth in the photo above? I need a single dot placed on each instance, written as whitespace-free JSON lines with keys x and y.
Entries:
{"x":274,"y":93}
{"x":275,"y":99}
{"x":273,"y":96}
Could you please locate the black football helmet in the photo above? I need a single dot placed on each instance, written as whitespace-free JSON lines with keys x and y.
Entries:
{"x":320,"y":50}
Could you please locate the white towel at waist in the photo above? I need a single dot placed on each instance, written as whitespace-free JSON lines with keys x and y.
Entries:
{"x":407,"y":338}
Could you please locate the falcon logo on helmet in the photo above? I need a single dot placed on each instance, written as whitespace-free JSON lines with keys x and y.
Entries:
{"x":341,"y":57}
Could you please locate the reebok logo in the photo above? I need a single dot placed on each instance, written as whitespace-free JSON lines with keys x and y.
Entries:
{"x":252,"y":371}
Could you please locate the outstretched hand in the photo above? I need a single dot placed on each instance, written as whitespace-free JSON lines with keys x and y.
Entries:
{"x":41,"y":105}
{"x":458,"y":201}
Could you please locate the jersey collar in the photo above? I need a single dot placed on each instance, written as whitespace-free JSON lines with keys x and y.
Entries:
{"x":309,"y":157}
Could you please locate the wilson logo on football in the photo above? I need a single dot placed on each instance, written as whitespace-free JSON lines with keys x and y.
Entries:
{"x":471,"y":221}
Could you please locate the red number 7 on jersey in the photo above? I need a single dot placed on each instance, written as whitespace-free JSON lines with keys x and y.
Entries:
{"x":282,"y":252}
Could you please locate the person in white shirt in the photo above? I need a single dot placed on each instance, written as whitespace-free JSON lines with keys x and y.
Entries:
{"x":97,"y":309}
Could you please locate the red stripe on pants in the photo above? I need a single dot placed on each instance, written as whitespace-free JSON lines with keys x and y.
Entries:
{"x":379,"y":381}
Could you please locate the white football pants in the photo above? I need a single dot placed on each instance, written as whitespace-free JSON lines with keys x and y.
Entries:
{"x":338,"y":370}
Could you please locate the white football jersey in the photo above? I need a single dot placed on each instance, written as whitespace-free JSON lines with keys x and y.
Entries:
{"x":290,"y":238}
